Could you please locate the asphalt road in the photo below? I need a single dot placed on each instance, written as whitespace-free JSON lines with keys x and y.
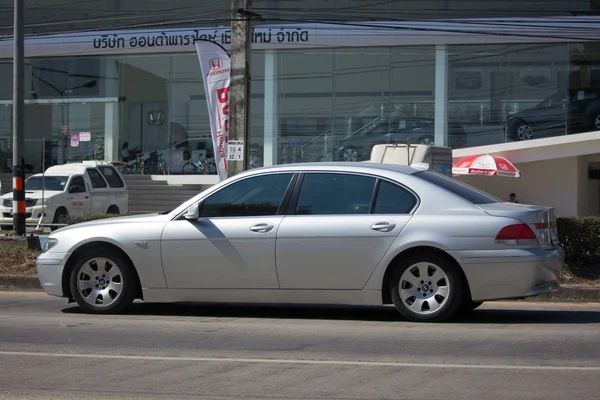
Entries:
{"x":511,"y":350}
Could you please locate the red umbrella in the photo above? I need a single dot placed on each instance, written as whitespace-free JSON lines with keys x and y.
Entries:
{"x":486,"y":165}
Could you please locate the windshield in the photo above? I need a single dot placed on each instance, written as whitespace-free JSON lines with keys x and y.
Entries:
{"x":56,"y":183}
{"x":460,"y":189}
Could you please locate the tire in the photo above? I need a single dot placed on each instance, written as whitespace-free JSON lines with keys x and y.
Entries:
{"x":189,"y":168}
{"x":444,"y":289}
{"x":59,"y":218}
{"x":427,"y":140}
{"x":351,"y":154}
{"x":113,"y":210}
{"x":593,"y":121}
{"x":519,"y":130}
{"x":112,"y":292}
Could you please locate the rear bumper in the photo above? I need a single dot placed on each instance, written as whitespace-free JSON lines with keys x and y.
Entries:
{"x":512,"y":274}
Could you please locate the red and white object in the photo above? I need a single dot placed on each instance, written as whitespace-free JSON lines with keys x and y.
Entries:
{"x":486,"y":165}
{"x":215,"y":66}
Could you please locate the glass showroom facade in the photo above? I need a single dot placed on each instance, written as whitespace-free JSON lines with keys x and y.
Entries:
{"x":308,"y":102}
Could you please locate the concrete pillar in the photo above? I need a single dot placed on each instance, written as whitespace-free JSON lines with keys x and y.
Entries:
{"x":441,"y":95}
{"x":271,"y":103}
{"x":111,"y":131}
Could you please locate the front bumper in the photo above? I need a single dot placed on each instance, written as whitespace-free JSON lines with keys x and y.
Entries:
{"x":50,"y":268}
{"x":512,"y":274}
{"x":32,"y":215}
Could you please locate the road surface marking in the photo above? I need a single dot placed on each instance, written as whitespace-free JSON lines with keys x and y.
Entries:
{"x":296,"y":361}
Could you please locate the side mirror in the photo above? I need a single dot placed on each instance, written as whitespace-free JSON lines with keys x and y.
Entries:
{"x":75,"y":189}
{"x":193,"y":213}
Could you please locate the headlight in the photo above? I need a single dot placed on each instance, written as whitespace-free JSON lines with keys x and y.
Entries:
{"x":47,"y":201}
{"x":50,"y":243}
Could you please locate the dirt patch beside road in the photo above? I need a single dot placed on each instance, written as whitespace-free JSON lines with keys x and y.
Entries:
{"x":15,"y":257}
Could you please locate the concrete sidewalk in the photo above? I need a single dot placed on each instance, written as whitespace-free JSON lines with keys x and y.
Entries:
{"x":567,"y":293}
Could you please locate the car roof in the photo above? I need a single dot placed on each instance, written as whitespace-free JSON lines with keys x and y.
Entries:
{"x":74,"y":168}
{"x":340,"y":166}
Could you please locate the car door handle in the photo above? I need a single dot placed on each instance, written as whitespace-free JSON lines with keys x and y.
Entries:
{"x":262,"y":228}
{"x":383,"y":226}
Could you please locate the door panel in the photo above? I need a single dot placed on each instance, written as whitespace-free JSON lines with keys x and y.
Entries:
{"x":224,"y":253}
{"x":232,"y":244}
{"x":333,"y":251}
{"x":343,"y":224}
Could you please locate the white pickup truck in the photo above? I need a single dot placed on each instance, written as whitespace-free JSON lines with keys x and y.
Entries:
{"x":79,"y":188}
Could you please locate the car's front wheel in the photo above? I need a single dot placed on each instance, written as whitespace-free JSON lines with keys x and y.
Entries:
{"x":519,"y":130}
{"x":102,"y":283}
{"x":427,"y":287}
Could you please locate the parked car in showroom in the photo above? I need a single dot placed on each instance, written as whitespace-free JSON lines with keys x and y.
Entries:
{"x":418,"y":130}
{"x":333,"y":233}
{"x":558,"y":114}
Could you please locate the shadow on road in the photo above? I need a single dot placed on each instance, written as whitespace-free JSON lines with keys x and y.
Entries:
{"x":347,"y":313}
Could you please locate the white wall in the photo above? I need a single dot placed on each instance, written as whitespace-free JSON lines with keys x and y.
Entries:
{"x":554,"y":183}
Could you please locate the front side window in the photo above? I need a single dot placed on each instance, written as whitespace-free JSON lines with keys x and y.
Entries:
{"x":327,"y":194}
{"x":77,"y":185}
{"x":255,"y":196}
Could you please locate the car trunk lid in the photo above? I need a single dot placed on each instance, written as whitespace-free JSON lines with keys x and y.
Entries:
{"x":540,"y":219}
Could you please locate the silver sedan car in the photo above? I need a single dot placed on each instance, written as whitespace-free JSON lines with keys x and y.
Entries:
{"x":322,"y":233}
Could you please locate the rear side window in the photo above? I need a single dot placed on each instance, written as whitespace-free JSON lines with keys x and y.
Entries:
{"x":460,"y":189}
{"x":330,"y":194}
{"x":112,"y":177}
{"x":392,"y":199}
{"x":96,"y":178}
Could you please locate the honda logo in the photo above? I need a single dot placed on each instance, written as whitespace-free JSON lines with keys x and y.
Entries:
{"x":215,"y":63}
{"x":156,"y":118}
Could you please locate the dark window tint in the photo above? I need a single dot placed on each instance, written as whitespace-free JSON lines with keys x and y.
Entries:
{"x":323,"y":194}
{"x":79,"y":182}
{"x":261,"y":195}
{"x":460,"y":189}
{"x":48,"y":183}
{"x":112,"y":177}
{"x":96,"y":178}
{"x":392,"y":199}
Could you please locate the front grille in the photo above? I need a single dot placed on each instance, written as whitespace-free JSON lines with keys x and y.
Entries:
{"x":9,"y":215}
{"x":28,"y":202}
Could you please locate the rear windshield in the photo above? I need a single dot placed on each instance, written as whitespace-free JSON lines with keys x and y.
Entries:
{"x":460,"y":189}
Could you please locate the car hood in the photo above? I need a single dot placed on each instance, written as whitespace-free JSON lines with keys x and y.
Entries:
{"x":139,"y":219}
{"x":34,"y":194}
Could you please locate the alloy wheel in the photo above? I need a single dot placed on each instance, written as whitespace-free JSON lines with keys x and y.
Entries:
{"x":424,"y":288}
{"x":100,"y":282}
{"x":524,"y":132}
{"x":350,"y":154}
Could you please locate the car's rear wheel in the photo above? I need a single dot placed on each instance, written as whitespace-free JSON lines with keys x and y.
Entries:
{"x":113,"y":210}
{"x":102,"y":284}
{"x":427,"y":287}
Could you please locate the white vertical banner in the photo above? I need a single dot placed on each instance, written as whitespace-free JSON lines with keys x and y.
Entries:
{"x":215,"y":65}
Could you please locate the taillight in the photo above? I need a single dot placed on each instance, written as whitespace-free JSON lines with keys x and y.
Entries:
{"x":542,"y":226}
{"x":516,"y":234}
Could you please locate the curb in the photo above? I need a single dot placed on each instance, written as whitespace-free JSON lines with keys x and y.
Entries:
{"x":566,"y":293}
{"x":20,"y":283}
{"x":571,"y":293}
